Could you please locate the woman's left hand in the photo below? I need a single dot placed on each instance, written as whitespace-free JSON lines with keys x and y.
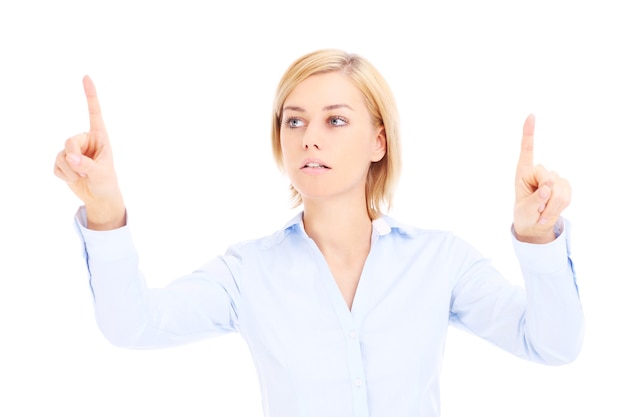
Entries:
{"x":540,"y":195}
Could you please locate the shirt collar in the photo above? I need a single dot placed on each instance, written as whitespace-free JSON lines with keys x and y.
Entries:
{"x":382,"y":225}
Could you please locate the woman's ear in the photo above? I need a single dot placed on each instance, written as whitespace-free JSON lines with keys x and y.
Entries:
{"x":380,"y":146}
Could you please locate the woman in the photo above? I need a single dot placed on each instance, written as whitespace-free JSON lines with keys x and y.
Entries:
{"x":344,"y":309}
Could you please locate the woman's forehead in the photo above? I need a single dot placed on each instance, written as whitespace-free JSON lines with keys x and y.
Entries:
{"x":325,"y":91}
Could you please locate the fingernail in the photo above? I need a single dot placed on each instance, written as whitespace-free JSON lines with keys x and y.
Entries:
{"x":544,"y":192}
{"x":73,"y":159}
{"x":541,"y":208}
{"x":543,"y":220}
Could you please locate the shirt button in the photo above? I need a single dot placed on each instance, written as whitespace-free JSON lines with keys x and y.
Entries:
{"x":352,"y":334}
{"x":358,"y":382}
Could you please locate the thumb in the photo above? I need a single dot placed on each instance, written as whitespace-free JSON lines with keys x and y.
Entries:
{"x":81,"y":164}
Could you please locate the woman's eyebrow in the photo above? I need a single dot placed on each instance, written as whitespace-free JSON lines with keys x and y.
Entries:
{"x":326,"y":108}
{"x":294,"y":108}
{"x":337,"y":106}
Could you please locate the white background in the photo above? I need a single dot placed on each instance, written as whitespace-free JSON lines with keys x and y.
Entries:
{"x":186,"y":90}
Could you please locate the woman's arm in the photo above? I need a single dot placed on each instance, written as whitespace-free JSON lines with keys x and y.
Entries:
{"x":129,"y":313}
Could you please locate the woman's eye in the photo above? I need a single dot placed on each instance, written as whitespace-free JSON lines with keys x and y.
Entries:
{"x":337,"y":121}
{"x":293,"y":122}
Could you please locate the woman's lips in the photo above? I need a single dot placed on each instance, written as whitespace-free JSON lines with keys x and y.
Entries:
{"x":314,"y":167}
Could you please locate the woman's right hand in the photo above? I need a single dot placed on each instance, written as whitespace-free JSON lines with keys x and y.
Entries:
{"x":86,"y":165}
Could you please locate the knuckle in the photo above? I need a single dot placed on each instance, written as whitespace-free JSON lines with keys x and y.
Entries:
{"x":74,"y":141}
{"x":567,"y":185}
{"x":558,"y":199}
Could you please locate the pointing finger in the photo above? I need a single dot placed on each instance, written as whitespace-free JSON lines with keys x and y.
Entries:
{"x":96,"y":122}
{"x":528,"y":138}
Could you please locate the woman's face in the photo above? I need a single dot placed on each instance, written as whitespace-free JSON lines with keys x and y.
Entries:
{"x":328,"y":139}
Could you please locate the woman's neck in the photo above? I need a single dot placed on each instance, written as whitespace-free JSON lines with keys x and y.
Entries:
{"x":338,"y":226}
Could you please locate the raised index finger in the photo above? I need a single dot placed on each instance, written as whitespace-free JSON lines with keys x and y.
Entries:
{"x":96,"y":122}
{"x":528,"y":139}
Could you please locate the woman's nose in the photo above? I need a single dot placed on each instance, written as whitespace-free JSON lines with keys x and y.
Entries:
{"x":311,"y":138}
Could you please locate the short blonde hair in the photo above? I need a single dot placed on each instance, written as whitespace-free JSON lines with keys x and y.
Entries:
{"x":383,"y":175}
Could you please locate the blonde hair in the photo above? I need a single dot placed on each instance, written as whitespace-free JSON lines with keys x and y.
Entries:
{"x":383,"y":175}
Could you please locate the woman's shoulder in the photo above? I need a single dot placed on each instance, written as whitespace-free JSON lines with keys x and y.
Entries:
{"x":386,"y":224}
{"x":439,"y":242}
{"x":270,"y":239}
{"x":444,"y":239}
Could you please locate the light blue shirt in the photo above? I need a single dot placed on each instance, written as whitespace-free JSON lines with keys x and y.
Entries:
{"x":314,"y":356}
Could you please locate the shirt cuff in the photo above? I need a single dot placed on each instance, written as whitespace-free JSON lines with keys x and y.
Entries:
{"x":547,"y":257}
{"x":108,"y":245}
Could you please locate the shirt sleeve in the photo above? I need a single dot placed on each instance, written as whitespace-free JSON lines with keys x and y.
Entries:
{"x":130,"y":314}
{"x":543,"y":321}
